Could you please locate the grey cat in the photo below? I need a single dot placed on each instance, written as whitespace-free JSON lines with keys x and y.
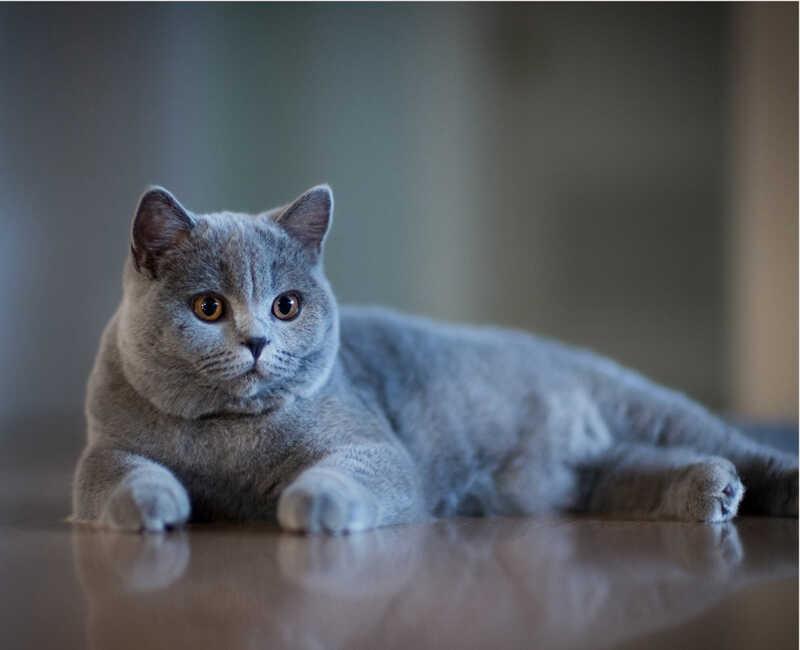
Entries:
{"x":228,"y":386}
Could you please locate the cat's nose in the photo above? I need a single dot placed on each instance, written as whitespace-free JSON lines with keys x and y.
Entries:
{"x":255,"y":344}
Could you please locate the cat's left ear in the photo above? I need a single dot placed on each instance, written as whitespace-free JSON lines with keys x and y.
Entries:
{"x":309,"y":217}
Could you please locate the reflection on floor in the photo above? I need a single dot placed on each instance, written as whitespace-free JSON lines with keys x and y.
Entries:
{"x":494,"y":583}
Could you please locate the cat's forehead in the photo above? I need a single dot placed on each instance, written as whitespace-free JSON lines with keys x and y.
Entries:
{"x":236,"y":254}
{"x":233,"y":234}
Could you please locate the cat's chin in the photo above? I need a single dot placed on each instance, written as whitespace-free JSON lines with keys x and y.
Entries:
{"x":247,"y":396}
{"x":247,"y":385}
{"x":249,"y":393}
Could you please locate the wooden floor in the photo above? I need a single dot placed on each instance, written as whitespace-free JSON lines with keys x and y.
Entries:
{"x":494,"y":583}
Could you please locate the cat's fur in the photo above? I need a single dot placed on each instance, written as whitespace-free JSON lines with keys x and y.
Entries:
{"x":367,"y":417}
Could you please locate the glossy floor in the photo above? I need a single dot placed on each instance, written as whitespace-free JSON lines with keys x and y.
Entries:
{"x":494,"y":583}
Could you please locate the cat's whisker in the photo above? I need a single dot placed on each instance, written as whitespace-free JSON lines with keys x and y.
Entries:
{"x":279,"y":368}
{"x":280,"y":371}
{"x":298,"y":361}
{"x":210,"y":365}
{"x":284,"y":362}
{"x":213,"y":355}
{"x":234,"y":372}
{"x":215,"y":366}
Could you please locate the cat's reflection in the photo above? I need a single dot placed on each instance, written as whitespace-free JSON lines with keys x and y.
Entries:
{"x":117,"y":561}
{"x":495,"y":583}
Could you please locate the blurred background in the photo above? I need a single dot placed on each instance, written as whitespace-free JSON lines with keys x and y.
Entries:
{"x":620,"y":176}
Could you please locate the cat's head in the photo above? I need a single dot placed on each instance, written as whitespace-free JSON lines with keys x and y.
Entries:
{"x":227,"y":312}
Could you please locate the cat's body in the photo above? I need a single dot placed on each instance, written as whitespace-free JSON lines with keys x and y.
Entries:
{"x":365,"y":418}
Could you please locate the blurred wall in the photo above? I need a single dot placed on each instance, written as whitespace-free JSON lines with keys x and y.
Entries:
{"x":763,"y":254}
{"x":561,"y":168}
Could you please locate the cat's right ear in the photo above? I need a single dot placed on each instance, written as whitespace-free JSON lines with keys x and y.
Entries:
{"x":308,"y":218}
{"x":160,"y":224}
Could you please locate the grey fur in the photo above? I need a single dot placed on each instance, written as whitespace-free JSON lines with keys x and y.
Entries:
{"x":392,"y":419}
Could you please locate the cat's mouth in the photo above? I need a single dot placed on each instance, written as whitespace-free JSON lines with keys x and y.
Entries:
{"x":247,"y":383}
{"x":252,"y":373}
{"x":250,"y":380}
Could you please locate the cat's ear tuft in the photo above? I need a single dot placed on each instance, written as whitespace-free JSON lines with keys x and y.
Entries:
{"x":309,"y":217}
{"x":160,"y":224}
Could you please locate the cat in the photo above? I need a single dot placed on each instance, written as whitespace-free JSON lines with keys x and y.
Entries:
{"x":229,"y":386}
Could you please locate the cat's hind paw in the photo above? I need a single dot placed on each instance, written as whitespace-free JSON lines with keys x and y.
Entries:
{"x":150,"y":500}
{"x":325,"y":501}
{"x":709,"y":491}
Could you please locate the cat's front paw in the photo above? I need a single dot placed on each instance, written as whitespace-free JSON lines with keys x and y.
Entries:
{"x":709,"y":491}
{"x":149,"y":500}
{"x":325,"y":501}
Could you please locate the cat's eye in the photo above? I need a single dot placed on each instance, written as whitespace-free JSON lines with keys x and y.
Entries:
{"x":286,"y":306}
{"x":208,"y":307}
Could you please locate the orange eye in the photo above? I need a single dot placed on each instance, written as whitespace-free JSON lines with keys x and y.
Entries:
{"x":208,"y":307}
{"x":286,"y":306}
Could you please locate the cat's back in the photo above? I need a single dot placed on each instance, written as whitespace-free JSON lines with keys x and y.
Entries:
{"x":369,"y":331}
{"x":419,"y":357}
{"x":396,"y":336}
{"x":450,"y":368}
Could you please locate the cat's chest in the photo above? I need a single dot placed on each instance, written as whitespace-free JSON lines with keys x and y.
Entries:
{"x":227,"y":445}
{"x":233,"y":467}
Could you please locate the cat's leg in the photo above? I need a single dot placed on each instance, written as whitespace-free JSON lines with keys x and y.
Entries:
{"x":353,"y":488}
{"x":653,"y":483}
{"x":645,"y":413}
{"x":124,"y":491}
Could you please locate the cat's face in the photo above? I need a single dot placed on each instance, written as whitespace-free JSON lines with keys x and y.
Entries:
{"x":227,"y":311}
